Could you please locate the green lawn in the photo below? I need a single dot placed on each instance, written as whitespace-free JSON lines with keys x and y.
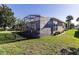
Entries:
{"x":44,"y":45}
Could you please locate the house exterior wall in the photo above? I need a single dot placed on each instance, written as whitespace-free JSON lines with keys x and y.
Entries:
{"x":44,"y":31}
{"x":55,"y":26}
{"x":43,"y":21}
{"x":58,"y":26}
{"x":60,"y":29}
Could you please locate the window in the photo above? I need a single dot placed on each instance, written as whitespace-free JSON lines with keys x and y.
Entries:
{"x":55,"y":27}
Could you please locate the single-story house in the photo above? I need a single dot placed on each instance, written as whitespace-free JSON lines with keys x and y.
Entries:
{"x":44,"y":26}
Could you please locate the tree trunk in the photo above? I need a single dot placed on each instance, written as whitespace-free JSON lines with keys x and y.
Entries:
{"x":4,"y":27}
{"x":68,"y":25}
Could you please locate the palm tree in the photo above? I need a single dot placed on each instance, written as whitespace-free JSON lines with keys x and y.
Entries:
{"x":69,"y":18}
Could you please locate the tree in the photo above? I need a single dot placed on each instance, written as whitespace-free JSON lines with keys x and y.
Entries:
{"x":7,"y":18}
{"x":69,"y":18}
{"x":19,"y":24}
{"x":78,"y":21}
{"x":72,"y":26}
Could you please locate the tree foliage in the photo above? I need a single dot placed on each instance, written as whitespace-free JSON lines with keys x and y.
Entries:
{"x":77,"y":19}
{"x":7,"y":18}
{"x":19,"y":24}
{"x":69,"y":18}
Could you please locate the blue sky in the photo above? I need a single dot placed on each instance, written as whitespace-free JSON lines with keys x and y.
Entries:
{"x":59,"y":11}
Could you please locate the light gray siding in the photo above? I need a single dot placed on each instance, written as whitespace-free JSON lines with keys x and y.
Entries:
{"x":44,"y":31}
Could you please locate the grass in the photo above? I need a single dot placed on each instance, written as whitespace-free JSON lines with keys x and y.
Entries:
{"x":45,"y":45}
{"x":9,"y":36}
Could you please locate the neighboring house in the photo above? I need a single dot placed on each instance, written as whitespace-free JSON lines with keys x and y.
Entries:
{"x":77,"y":27}
{"x":43,"y":25}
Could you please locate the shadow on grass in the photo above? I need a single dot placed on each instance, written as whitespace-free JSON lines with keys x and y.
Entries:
{"x":16,"y":36}
{"x":70,"y":51}
{"x":76,"y":34}
{"x":28,"y":35}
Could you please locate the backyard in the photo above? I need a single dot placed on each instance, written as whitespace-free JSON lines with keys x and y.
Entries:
{"x":45,"y":45}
